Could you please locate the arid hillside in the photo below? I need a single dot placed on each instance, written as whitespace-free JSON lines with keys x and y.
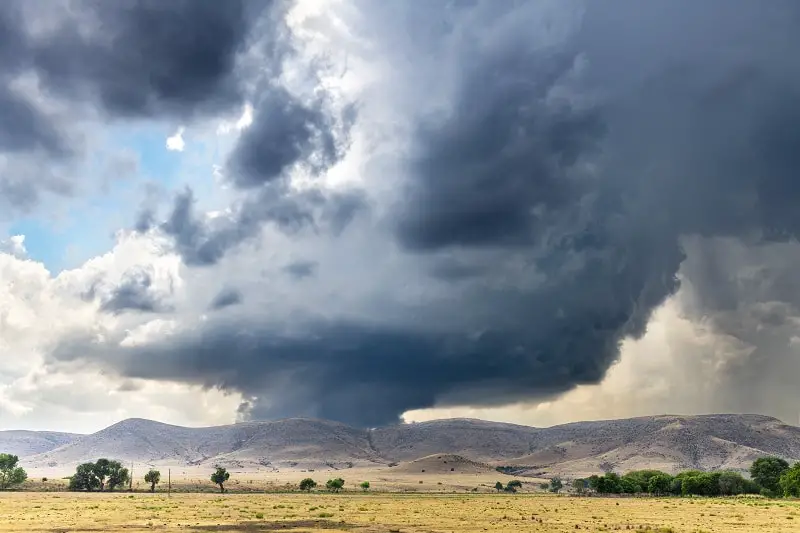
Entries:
{"x":668,"y":442}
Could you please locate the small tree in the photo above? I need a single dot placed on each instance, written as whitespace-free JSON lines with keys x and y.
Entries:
{"x":767,"y":472}
{"x":364,"y":486}
{"x":153,"y":477}
{"x":117,"y":475}
{"x":220,"y":476}
{"x":790,"y":481}
{"x":579,"y":485}
{"x":307,"y":484}
{"x":335,"y":485}
{"x":84,"y":478}
{"x":513,"y":485}
{"x":10,"y":473}
{"x":498,"y":486}
{"x":556,"y":485}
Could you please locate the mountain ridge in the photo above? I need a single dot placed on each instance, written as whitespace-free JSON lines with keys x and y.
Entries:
{"x":668,"y":442}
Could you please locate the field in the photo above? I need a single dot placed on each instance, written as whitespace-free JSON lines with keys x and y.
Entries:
{"x":380,"y":512}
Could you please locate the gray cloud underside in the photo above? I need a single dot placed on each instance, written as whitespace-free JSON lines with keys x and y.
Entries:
{"x":226,"y":298}
{"x":583,"y":140}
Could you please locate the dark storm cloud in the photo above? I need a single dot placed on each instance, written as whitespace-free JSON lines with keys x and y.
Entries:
{"x":561,"y":179}
{"x":286,"y":132}
{"x":128,"y":59}
{"x":134,"y":293}
{"x":226,"y":298}
{"x":149,"y":58}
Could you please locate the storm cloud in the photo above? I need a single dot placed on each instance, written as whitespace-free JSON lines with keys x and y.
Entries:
{"x":133,"y":59}
{"x":551,"y":163}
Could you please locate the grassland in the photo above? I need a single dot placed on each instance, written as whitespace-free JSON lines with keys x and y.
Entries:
{"x":350,"y":512}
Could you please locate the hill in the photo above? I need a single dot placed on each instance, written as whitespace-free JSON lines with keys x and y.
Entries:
{"x":667,"y":442}
{"x":25,"y":443}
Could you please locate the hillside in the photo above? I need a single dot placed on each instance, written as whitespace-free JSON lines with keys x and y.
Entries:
{"x":666,"y":442}
{"x":26,"y":443}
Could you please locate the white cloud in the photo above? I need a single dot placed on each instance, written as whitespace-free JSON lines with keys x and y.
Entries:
{"x":176,"y":142}
{"x":243,"y":122}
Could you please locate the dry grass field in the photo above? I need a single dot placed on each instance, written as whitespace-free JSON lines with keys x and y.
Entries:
{"x":351,"y":512}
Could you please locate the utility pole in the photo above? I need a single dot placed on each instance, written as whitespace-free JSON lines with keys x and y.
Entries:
{"x":130,"y":479}
{"x":169,"y":483}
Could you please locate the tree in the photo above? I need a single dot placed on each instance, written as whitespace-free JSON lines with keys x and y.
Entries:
{"x":579,"y":485}
{"x":10,"y":473}
{"x":364,"y":486}
{"x":731,"y":484}
{"x":85,"y":478}
{"x":335,"y":485}
{"x":790,"y":481}
{"x":102,"y":468}
{"x":659,"y":484}
{"x":767,"y":472}
{"x":117,"y":475}
{"x":153,"y":477}
{"x":220,"y":476}
{"x":513,"y":485}
{"x":307,"y":484}
{"x":556,"y":485}
{"x":498,"y":486}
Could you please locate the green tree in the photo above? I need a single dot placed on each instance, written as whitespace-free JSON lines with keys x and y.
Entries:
{"x":117,"y":475}
{"x":10,"y":473}
{"x":85,"y":478}
{"x":731,"y":484}
{"x":579,"y":485}
{"x":767,"y":472}
{"x":102,"y":468}
{"x":364,"y":486}
{"x":153,"y":477}
{"x":790,"y":481}
{"x":307,"y":484}
{"x":498,"y":486}
{"x":556,"y":485}
{"x":219,"y":477}
{"x":335,"y":485}
{"x":513,"y":486}
{"x":659,"y":484}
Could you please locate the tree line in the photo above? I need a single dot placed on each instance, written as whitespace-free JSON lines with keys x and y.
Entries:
{"x":769,"y":476}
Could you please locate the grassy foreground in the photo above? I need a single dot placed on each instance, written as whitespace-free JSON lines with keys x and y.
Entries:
{"x":388,"y":513}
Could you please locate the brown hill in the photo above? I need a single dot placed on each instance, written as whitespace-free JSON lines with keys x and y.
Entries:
{"x":443,"y":464}
{"x":667,"y":442}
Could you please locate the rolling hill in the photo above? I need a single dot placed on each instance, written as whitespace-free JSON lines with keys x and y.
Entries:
{"x":26,"y":443}
{"x":666,"y":442}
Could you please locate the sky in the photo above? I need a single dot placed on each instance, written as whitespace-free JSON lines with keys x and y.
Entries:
{"x":373,"y":212}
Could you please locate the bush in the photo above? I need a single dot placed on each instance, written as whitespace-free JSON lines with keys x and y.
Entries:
{"x":556,"y":485}
{"x":364,"y":486}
